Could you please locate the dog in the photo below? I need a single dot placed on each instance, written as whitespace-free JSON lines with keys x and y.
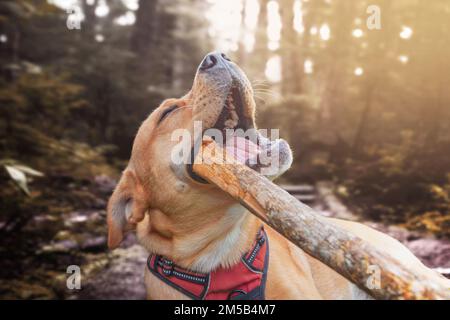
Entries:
{"x":202,"y":243}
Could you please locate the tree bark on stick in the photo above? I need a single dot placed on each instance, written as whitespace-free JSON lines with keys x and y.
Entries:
{"x":347,"y":254}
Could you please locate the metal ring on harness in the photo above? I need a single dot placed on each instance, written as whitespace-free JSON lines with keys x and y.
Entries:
{"x":239,"y":291}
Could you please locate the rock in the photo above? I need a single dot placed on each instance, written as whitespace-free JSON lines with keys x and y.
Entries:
{"x":122,"y":279}
{"x":44,"y":218}
{"x":434,"y":253}
{"x":78,"y":219}
{"x":63,"y":235}
{"x":74,"y":218}
{"x":97,"y":217}
{"x":105,"y":183}
{"x":61,"y":246}
{"x":88,"y":218}
{"x":97,"y":244}
{"x":99,"y":203}
{"x":95,"y":264}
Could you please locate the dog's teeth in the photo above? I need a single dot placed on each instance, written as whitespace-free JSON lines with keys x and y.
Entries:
{"x":230,"y":106}
{"x":230,"y":123}
{"x":230,"y":103}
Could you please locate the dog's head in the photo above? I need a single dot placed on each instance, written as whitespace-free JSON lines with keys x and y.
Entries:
{"x":220,"y":101}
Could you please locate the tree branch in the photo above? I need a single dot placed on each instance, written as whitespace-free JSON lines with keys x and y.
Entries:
{"x":347,"y":254}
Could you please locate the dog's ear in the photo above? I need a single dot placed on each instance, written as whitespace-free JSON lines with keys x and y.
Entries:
{"x":126,"y":207}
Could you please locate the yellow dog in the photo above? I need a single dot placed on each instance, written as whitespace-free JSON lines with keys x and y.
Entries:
{"x":196,"y":234}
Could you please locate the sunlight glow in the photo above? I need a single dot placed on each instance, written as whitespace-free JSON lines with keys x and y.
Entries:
{"x":225,"y":23}
{"x":127,"y":19}
{"x":406,"y":33}
{"x":65,"y":4}
{"x":359,"y":71}
{"x":273,"y":69}
{"x":131,"y":4}
{"x":313,"y":31}
{"x":325,"y":32}
{"x":250,"y":24}
{"x":251,"y":14}
{"x":102,"y":9}
{"x":249,"y":41}
{"x":308,"y":66}
{"x":357,"y":33}
{"x":298,"y":17}
{"x":403,"y":59}
{"x":274,"y":25}
{"x":99,"y":38}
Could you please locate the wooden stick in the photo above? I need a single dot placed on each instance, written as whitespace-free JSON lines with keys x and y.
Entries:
{"x":347,"y":254}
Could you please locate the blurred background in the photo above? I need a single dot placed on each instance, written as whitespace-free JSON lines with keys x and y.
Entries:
{"x":359,"y":88}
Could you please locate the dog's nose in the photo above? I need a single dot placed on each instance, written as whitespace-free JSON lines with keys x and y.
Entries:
{"x":212,"y":60}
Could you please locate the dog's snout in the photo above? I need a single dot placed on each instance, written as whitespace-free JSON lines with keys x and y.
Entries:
{"x":209,"y":62}
{"x":212,"y":60}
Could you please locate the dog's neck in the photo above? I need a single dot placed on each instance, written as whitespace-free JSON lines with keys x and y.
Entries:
{"x":222,"y":245}
{"x":208,"y":245}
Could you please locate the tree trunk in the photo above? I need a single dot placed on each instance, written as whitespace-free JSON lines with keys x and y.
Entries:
{"x":292,"y":70}
{"x":143,"y":35}
{"x":261,"y":51}
{"x":241,"y":52}
{"x":152,"y":41}
{"x":90,"y":19}
{"x":363,"y":122}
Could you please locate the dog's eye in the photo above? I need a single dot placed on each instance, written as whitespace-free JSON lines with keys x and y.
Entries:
{"x":166,"y":112}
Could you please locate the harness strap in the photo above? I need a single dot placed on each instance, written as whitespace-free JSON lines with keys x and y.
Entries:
{"x":244,"y":281}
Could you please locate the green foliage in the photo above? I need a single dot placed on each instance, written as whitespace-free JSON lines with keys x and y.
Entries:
{"x":41,"y":101}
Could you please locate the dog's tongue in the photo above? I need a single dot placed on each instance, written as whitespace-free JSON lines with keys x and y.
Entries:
{"x":242,"y":149}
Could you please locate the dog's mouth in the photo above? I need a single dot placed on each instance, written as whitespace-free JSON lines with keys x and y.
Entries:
{"x":233,"y":112}
{"x":239,"y":136}
{"x":246,"y":144}
{"x":235,"y":131}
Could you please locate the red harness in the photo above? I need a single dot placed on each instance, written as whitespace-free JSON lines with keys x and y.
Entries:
{"x":244,"y":281}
